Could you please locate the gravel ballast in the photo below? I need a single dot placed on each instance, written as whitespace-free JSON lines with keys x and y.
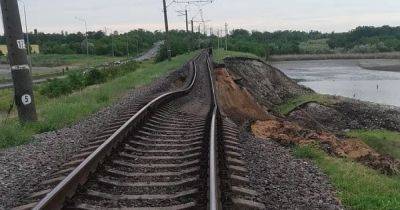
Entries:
{"x":283,"y":181}
{"x":24,"y":167}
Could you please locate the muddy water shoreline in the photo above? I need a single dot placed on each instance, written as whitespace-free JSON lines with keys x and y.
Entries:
{"x":372,"y":80}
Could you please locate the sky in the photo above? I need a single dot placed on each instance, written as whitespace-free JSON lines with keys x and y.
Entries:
{"x":261,"y":15}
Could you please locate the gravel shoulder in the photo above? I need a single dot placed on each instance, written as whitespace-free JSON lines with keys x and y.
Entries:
{"x":23,"y":167}
{"x":283,"y":181}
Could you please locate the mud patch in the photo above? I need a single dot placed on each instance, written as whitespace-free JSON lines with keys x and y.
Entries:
{"x":235,"y":101}
{"x":288,"y":133}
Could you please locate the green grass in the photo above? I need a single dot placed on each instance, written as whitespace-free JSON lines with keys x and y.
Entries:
{"x":383,"y":141}
{"x":220,"y":54}
{"x":357,"y":186}
{"x":291,"y":104}
{"x":54,"y":60}
{"x":66,"y":110}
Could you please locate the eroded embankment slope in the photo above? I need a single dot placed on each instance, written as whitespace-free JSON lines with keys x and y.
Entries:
{"x":283,"y":181}
{"x":250,"y":87}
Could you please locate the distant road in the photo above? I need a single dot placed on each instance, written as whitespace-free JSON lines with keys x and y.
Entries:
{"x":152,"y":53}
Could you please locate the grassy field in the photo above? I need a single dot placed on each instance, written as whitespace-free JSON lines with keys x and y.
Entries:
{"x":220,"y":54}
{"x":54,"y":60}
{"x":383,"y":141}
{"x":358,"y":187}
{"x":51,"y":65}
{"x":59,"y":112}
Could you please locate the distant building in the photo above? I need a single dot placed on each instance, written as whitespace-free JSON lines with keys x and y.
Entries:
{"x":35,"y":49}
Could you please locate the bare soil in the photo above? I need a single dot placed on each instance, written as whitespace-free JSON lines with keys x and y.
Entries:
{"x":268,"y":85}
{"x":312,"y":123}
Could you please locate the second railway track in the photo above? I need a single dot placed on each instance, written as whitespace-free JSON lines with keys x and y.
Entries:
{"x":174,"y":153}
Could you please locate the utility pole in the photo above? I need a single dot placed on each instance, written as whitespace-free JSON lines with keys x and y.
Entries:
{"x":28,"y":44}
{"x":167,"y":42}
{"x":86,"y":34}
{"x":112,"y":44}
{"x":187,"y":23}
{"x":192,"y":26}
{"x":127,"y":45}
{"x":137,"y":46}
{"x":218,"y":38}
{"x":226,"y":36}
{"x":20,"y":69}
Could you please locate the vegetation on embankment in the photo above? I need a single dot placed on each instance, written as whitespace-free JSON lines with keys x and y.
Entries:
{"x":55,"y":113}
{"x":292,"y":104}
{"x":221,"y":54}
{"x":383,"y":141}
{"x":358,"y":186}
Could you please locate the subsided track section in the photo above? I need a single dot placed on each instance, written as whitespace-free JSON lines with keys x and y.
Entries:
{"x":169,"y":155}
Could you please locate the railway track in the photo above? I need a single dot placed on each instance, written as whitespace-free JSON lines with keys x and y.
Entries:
{"x":172,"y":151}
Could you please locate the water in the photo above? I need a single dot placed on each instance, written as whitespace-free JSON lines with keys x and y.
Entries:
{"x":347,"y":78}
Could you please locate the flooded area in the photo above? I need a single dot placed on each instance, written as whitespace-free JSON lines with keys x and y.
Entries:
{"x":349,"y":78}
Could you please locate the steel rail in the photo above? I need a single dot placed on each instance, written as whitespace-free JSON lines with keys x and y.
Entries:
{"x":214,"y":201}
{"x":67,"y":188}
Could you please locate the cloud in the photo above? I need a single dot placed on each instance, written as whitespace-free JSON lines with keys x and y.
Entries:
{"x":124,"y":15}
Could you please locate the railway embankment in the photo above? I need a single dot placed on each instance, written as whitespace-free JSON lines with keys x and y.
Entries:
{"x":273,"y":109}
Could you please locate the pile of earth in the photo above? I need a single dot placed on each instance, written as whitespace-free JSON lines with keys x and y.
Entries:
{"x":249,"y":88}
{"x":289,"y":133}
{"x":267,"y":84}
{"x":345,"y":113}
{"x":237,"y":102}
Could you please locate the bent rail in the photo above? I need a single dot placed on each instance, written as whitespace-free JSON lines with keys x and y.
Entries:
{"x":214,"y":201}
{"x":67,"y":187}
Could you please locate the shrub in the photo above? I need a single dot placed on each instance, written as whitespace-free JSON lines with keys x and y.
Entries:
{"x":94,"y":76}
{"x":56,"y":87}
{"x":76,"y":80}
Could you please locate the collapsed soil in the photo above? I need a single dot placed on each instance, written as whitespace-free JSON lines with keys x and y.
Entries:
{"x":288,"y":133}
{"x":237,"y":102}
{"x":267,"y":85}
{"x":248,"y":81}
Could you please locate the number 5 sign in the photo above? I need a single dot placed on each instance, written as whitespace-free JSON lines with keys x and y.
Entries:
{"x":26,"y":99}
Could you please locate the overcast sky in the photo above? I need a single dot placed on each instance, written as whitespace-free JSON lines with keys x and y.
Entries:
{"x":270,"y":15}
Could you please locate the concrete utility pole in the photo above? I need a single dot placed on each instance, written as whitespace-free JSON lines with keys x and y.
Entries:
{"x":218,"y":38}
{"x":226,"y":36}
{"x":17,"y":56}
{"x":86,"y":34}
{"x":187,"y":23}
{"x":127,"y":45}
{"x":192,"y":25}
{"x":167,"y":41}
{"x":28,"y":44}
{"x":112,"y":45}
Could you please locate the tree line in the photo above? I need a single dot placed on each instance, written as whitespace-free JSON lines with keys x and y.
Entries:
{"x":99,"y":43}
{"x":365,"y":39}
